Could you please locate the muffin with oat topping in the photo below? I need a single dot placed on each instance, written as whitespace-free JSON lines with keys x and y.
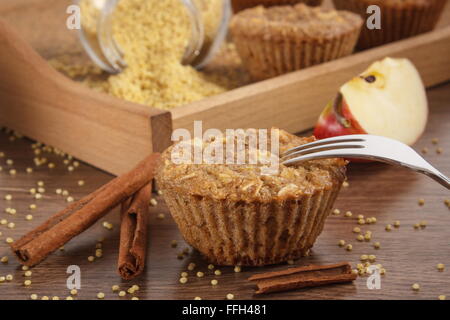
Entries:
{"x":276,"y":40}
{"x":235,"y":214}
{"x":400,"y":19}
{"x":239,"y":5}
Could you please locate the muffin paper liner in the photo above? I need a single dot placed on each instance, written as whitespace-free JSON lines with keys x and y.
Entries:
{"x":269,"y":56}
{"x":397,"y":21}
{"x":251,"y":234}
{"x":239,"y":5}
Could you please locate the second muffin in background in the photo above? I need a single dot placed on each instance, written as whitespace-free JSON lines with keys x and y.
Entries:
{"x":276,"y":40}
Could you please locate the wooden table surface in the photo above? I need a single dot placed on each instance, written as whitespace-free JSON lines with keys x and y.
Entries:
{"x":375,"y":190}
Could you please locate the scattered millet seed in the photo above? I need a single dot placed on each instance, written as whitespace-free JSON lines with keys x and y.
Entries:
{"x":45,"y":298}
{"x":186,"y":251}
{"x":69,"y":298}
{"x":349,"y":247}
{"x":107,"y":225}
{"x":8,"y":197}
{"x":9,"y":240}
{"x":9,"y":162}
{"x":25,"y":268}
{"x":348,"y":214}
{"x":27,"y":283}
{"x":423,"y":224}
{"x":70,"y":199}
{"x":81,"y":183}
{"x":218,"y":272}
{"x":2,"y":279}
{"x":4,"y":259}
{"x":55,"y":298}
{"x":214,"y":282}
{"x":98,"y":253}
{"x":29,"y":170}
{"x":361,"y":221}
{"x":397,"y":224}
{"x":435,"y":141}
{"x":100,"y":295}
{"x":237,"y":269}
{"x":197,"y":298}
{"x":210,"y":266}
{"x":58,"y":191}
{"x":11,"y":225}
{"x":377,"y":245}
{"x":369,"y":220}
{"x":442,"y":297}
{"x":32,"y":206}
{"x":3,"y":221}
{"x":360,"y":216}
{"x":91,"y":258}
{"x":33,"y":191}
{"x":191,"y":266}
{"x":122,"y":293}
{"x":345,"y":184}
{"x":336,"y":212}
{"x":41,"y":190}
{"x":368,"y":236}
{"x":421,"y":202}
{"x":12,"y":211}
{"x":341,"y":243}
{"x":12,"y":172}
{"x":65,"y":193}
{"x":29,"y":217}
{"x":374,"y":220}
{"x":382,"y":271}
{"x":131,"y":290}
{"x":440,"y":267}
{"x":364,"y":257}
{"x":153,"y":202}
{"x":28,"y":273}
{"x":356,"y":230}
{"x":38,"y":196}
{"x":70,"y":168}
{"x":74,"y":292}
{"x":173,"y":243}
{"x":161,"y":216}
{"x":183,"y":280}
{"x":439,"y":150}
{"x":200,"y":274}
{"x":416,"y":226}
{"x":9,"y":277}
{"x":416,"y":287}
{"x":115,"y":288}
{"x":354,"y":271}
{"x":180,"y":256}
{"x":372,"y":258}
{"x":134,"y":298}
{"x":76,"y":164}
{"x":388,"y":227}
{"x":33,"y":296}
{"x":184,"y":274}
{"x":160,"y":192}
{"x":230,"y":296}
{"x":360,"y":237}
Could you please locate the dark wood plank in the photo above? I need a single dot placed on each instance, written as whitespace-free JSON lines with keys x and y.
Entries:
{"x":378,"y":190}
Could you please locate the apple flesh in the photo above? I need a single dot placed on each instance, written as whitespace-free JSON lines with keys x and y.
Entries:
{"x":388,"y":99}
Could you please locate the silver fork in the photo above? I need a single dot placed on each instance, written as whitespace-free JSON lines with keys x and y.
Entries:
{"x":364,"y":146}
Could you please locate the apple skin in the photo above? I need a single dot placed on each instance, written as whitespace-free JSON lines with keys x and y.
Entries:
{"x":337,"y":120}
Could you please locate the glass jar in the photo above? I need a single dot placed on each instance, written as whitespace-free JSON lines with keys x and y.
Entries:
{"x":97,"y":36}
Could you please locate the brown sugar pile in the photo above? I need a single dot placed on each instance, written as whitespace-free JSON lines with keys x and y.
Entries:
{"x":153,"y":36}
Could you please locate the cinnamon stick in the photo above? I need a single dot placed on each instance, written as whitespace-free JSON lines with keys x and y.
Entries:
{"x":133,"y":234}
{"x":79,"y":216}
{"x":301,"y":277}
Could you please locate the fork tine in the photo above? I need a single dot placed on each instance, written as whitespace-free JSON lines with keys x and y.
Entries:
{"x":334,"y":153}
{"x":319,"y":148}
{"x":338,"y":139}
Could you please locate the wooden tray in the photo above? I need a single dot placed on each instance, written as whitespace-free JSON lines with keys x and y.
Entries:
{"x":113,"y":135}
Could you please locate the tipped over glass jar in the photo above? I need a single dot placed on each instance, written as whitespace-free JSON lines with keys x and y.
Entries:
{"x":198,"y":27}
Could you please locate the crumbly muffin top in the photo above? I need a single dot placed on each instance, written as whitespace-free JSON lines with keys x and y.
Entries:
{"x":245,"y":182}
{"x":299,"y":21}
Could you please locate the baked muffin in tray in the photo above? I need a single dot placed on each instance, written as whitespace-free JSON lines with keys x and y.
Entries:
{"x":239,"y":5}
{"x":400,"y":19}
{"x":235,"y":215}
{"x":276,"y":40}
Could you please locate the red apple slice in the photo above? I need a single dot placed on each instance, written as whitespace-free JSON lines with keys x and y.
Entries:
{"x":388,"y":99}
